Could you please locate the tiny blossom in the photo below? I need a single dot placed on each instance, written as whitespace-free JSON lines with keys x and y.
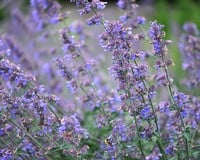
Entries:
{"x":70,"y":46}
{"x":116,"y":36}
{"x":130,"y":17}
{"x":123,"y":18}
{"x":14,"y":52}
{"x":12,"y":72}
{"x":164,"y":106}
{"x":141,"y":20}
{"x":79,"y":2}
{"x":146,"y":112}
{"x":64,"y":69}
{"x":98,"y":4}
{"x":77,"y":27}
{"x":140,"y":71}
{"x":181,"y":99}
{"x":44,"y":12}
{"x":153,"y":156}
{"x":161,"y":79}
{"x":71,"y":86}
{"x":87,"y":7}
{"x":100,"y":121}
{"x":152,"y":92}
{"x":2,"y":132}
{"x":147,"y":133}
{"x":6,"y":154}
{"x":71,"y":130}
{"x":122,"y":4}
{"x":156,"y":35}
{"x":28,"y":147}
{"x":170,"y":150}
{"x":94,"y":20}
{"x":111,"y":151}
{"x":119,"y":130}
{"x":191,"y":28}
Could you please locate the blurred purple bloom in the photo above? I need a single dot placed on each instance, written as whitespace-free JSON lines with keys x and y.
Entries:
{"x":95,"y":20}
{"x":156,"y":35}
{"x":146,"y":112}
{"x":141,"y":20}
{"x":189,"y":47}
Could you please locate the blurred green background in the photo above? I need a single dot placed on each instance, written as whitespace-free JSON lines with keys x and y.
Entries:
{"x":173,"y":14}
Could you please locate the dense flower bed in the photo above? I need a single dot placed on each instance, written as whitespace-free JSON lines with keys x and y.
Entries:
{"x":56,"y":101}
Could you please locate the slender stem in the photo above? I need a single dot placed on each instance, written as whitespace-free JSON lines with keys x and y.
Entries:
{"x":195,"y":133}
{"x":102,"y":110}
{"x":91,"y":76}
{"x":136,"y":123}
{"x":177,"y":107}
{"x":150,"y":101}
{"x":55,"y":114}
{"x":140,"y":143}
{"x":135,"y":119}
{"x":159,"y":143}
{"x":171,"y":92}
{"x":32,"y":138}
{"x":52,"y":140}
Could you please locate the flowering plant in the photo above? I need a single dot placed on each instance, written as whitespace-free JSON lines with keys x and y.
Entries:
{"x":58,"y":102}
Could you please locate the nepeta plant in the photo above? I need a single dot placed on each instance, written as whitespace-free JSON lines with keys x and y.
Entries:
{"x":189,"y":46}
{"x":56,"y":101}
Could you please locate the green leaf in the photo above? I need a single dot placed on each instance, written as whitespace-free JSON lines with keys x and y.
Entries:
{"x":187,"y":134}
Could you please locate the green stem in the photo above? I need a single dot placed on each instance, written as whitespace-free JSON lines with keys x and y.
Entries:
{"x":176,"y":106}
{"x":32,"y":138}
{"x":159,"y":142}
{"x":136,"y":124}
{"x":93,"y":88}
{"x":150,"y":101}
{"x":140,"y":142}
{"x":195,"y":132}
{"x":135,"y":119}
{"x":55,"y":114}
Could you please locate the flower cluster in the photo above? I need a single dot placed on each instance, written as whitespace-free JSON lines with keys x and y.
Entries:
{"x":58,"y":102}
{"x":12,"y":74}
{"x":45,"y":12}
{"x":189,"y":46}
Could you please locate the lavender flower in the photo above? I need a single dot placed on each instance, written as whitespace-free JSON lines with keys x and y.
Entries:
{"x":98,"y":4}
{"x":156,"y":35}
{"x":94,"y":20}
{"x":191,"y":28}
{"x":6,"y":154}
{"x":170,"y":150}
{"x":189,"y":47}
{"x":146,"y":112}
{"x":67,"y":75}
{"x":123,"y":4}
{"x":45,"y":12}
{"x":119,"y":130}
{"x":87,"y":6}
{"x":13,"y":73}
{"x":71,"y":130}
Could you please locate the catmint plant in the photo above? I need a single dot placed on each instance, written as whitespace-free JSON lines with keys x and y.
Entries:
{"x":58,"y":102}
